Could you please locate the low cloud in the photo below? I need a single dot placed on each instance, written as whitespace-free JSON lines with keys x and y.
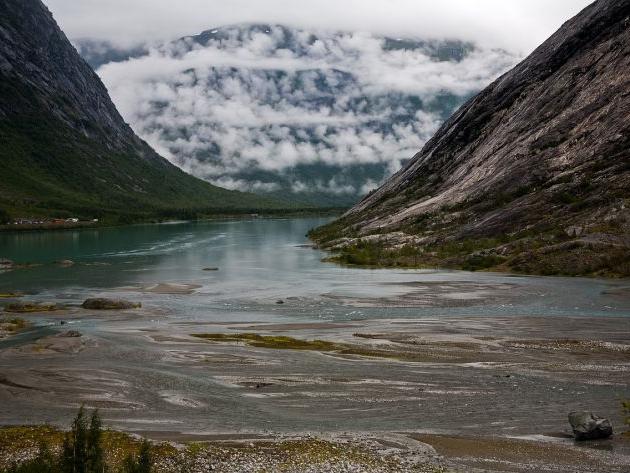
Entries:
{"x":518,"y":25}
{"x":247,"y":103}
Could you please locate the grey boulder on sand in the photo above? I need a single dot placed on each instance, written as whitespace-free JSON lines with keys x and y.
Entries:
{"x":109,"y":304}
{"x":587,"y":426}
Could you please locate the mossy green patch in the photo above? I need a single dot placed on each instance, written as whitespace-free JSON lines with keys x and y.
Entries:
{"x":275,"y":342}
{"x":13,"y":324}
{"x":22,"y":308}
{"x":290,"y":343}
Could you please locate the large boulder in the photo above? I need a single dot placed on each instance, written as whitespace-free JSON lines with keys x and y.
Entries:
{"x":101,"y":303}
{"x":587,"y":426}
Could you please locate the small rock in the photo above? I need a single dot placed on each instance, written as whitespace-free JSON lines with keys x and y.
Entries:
{"x":587,"y":426}
{"x":70,"y":334}
{"x":574,"y":231}
{"x":210,"y":269}
{"x":6,"y":263}
{"x":101,"y":303}
{"x":279,"y":301}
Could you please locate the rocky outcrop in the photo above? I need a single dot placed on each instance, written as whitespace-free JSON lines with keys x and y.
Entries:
{"x":538,"y":159}
{"x":587,"y":426}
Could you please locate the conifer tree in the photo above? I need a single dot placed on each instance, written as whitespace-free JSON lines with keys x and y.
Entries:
{"x":95,"y":457}
{"x":79,"y":444}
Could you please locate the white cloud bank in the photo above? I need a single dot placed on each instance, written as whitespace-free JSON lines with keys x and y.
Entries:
{"x":251,"y":101}
{"x":518,"y":25}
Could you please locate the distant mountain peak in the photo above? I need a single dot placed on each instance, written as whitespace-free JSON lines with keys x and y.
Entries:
{"x":319,"y":116}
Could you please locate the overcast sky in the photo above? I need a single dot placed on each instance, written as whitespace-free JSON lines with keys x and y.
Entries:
{"x":517,"y":25}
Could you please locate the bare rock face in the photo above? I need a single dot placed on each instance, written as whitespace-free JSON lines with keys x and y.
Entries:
{"x":587,"y":426}
{"x":35,"y":54}
{"x":539,"y":158}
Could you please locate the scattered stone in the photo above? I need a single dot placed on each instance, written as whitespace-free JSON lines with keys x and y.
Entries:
{"x":6,"y":263}
{"x":171,"y":288}
{"x":587,"y":426}
{"x":65,"y":263}
{"x":574,"y":231}
{"x":210,"y":269}
{"x":70,"y":334}
{"x":101,"y":303}
{"x":23,"y":307}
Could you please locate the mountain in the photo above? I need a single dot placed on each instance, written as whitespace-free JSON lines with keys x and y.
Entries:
{"x":531,"y":175}
{"x":317,"y":116}
{"x":64,"y":148}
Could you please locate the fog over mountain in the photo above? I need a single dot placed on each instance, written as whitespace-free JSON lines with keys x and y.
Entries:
{"x":323,"y":115}
{"x":516,"y":25}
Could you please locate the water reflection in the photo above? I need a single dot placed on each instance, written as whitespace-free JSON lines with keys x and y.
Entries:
{"x":261,"y":260}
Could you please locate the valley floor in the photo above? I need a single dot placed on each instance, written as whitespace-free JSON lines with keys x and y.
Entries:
{"x":437,"y":394}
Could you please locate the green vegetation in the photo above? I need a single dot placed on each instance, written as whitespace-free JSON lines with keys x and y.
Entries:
{"x":276,"y":342}
{"x":83,"y":449}
{"x":50,"y":169}
{"x":5,"y":217}
{"x":625,"y":407}
{"x":464,"y":254}
{"x":38,"y":449}
{"x":547,"y":250}
{"x":12,"y":324}
{"x":26,"y":307}
{"x":140,"y":463}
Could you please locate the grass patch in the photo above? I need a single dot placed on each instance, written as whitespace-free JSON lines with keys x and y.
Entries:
{"x":23,"y":308}
{"x":13,"y":324}
{"x":290,"y":343}
{"x":275,"y":342}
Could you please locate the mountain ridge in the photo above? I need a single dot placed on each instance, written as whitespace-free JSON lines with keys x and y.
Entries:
{"x":295,"y":112}
{"x":66,"y":149}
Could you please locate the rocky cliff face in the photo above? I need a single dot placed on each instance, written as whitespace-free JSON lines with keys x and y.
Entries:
{"x":533,"y":173}
{"x":63,"y":144}
{"x":44,"y":71}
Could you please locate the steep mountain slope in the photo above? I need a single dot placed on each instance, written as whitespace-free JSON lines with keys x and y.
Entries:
{"x":321,"y":116}
{"x":532,"y":174}
{"x":64,"y":147}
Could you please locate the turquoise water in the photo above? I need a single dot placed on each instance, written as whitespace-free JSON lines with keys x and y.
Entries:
{"x":263,"y":260}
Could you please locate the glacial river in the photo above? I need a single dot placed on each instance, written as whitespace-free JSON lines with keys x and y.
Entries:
{"x":483,"y":342}
{"x":261,"y":261}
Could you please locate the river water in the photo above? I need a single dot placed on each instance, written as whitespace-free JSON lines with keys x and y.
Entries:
{"x":146,"y":373}
{"x":263,"y":260}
